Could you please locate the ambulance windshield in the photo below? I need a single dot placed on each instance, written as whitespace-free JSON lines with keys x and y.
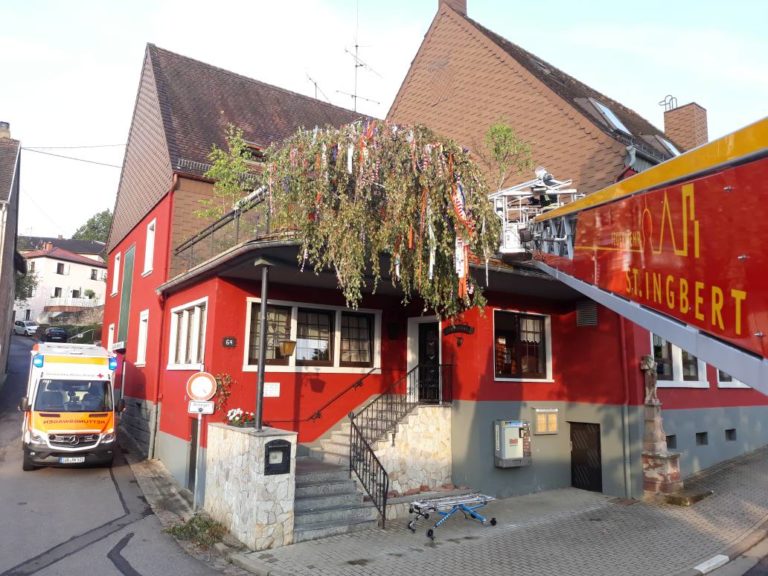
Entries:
{"x":73,"y":396}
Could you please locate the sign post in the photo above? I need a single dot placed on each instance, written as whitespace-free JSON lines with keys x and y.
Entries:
{"x":201,"y":387}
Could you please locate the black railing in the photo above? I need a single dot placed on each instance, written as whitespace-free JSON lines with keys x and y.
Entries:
{"x":247,"y":221}
{"x":363,"y":462}
{"x":317,"y":414}
{"x":423,"y":384}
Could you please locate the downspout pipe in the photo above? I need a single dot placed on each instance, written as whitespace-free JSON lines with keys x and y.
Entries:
{"x":625,"y":411}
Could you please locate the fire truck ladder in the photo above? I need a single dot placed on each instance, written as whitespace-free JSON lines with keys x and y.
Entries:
{"x":678,"y":249}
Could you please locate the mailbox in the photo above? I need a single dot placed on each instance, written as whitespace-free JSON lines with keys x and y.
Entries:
{"x":277,"y":459}
{"x":513,"y":443}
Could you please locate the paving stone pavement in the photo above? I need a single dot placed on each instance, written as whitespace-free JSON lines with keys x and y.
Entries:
{"x":561,"y":532}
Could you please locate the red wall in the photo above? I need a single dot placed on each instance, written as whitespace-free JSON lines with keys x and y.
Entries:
{"x":141,"y":382}
{"x":587,"y":362}
{"x":301,"y":394}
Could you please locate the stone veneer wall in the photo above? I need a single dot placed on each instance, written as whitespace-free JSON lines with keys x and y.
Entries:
{"x":256,"y":509}
{"x":420,"y":459}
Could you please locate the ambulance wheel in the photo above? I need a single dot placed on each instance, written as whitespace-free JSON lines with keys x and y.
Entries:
{"x":431,"y":534}
{"x":26,"y":464}
{"x":493,"y":521}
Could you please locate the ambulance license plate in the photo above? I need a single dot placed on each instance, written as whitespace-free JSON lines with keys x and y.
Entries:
{"x":71,"y":459}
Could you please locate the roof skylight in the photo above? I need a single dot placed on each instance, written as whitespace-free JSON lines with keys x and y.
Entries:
{"x":612,"y":119}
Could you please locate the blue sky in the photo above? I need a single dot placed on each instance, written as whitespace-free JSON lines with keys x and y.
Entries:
{"x":70,"y":70}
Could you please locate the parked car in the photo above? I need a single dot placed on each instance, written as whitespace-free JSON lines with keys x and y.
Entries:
{"x":55,"y":334}
{"x":25,"y":327}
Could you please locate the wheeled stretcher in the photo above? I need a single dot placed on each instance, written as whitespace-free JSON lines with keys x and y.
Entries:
{"x":467,"y":504}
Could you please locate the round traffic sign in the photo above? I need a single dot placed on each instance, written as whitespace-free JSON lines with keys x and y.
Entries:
{"x":201,"y":386}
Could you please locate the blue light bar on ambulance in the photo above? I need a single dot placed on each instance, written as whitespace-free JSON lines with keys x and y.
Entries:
{"x":37,"y":360}
{"x":112,"y":363}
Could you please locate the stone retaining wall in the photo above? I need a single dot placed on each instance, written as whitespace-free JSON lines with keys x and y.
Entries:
{"x":420,"y":459}
{"x":257,"y":509}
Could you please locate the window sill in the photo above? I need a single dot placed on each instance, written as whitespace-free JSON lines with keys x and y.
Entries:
{"x":277,"y":369}
{"x":197,"y":367}
{"x":525,"y":380}
{"x":682,"y":384}
{"x":734,"y":385}
{"x":146,"y":273}
{"x":139,"y":364}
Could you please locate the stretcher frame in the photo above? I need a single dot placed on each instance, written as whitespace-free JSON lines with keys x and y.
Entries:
{"x":445,"y":507}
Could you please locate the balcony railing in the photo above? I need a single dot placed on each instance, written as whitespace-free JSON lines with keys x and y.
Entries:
{"x":74,"y":302}
{"x":247,"y":221}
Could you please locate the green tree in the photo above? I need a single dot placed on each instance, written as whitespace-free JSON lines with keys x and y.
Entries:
{"x":505,"y":153}
{"x":25,"y":285}
{"x":230,"y":173}
{"x":96,"y":228}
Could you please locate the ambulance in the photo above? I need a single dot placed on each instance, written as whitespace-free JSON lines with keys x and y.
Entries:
{"x":70,"y":410}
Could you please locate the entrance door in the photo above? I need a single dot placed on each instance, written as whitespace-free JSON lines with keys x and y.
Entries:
{"x":586,"y":466}
{"x":429,"y":363}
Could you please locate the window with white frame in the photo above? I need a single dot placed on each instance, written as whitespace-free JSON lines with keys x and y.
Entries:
{"x":141,"y":344}
{"x":521,"y":346}
{"x":677,"y":368}
{"x":725,"y":380}
{"x":116,"y":273}
{"x":149,"y":247}
{"x":326,"y":337}
{"x":187,"y":341}
{"x":278,"y":330}
{"x":110,"y":336}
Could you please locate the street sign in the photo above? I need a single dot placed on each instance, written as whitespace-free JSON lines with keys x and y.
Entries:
{"x":200,"y":407}
{"x":201,"y":386}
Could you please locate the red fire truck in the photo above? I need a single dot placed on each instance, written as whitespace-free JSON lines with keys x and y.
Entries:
{"x":677,"y":249}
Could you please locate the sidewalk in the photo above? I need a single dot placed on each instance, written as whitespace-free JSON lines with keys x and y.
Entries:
{"x":563,"y":532}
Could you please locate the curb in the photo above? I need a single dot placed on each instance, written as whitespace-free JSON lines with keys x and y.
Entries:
{"x":253,"y":566}
{"x":758,"y":532}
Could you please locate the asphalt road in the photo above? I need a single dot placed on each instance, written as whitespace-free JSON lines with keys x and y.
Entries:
{"x":67,"y":521}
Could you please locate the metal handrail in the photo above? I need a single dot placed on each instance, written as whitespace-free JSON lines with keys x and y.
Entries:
{"x":375,"y":420}
{"x":364,"y":463}
{"x":317,"y":414}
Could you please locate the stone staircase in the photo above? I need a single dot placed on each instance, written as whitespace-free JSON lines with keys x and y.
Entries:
{"x":328,"y":501}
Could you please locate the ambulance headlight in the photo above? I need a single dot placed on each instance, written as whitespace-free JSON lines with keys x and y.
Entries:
{"x":113,"y":363}
{"x":34,"y":437}
{"x":37,"y":360}
{"x":108,"y":437}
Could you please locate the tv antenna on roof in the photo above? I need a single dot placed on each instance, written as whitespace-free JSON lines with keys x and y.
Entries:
{"x":318,"y":89}
{"x":358,"y":64}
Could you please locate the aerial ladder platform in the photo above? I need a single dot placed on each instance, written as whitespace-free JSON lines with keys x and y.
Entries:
{"x":680,"y":249}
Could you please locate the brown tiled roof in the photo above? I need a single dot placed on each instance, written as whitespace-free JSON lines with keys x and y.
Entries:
{"x":61,"y":254}
{"x":76,"y":246}
{"x":183,"y":107}
{"x":198,"y":101}
{"x":578,"y":94}
{"x":9,"y":150}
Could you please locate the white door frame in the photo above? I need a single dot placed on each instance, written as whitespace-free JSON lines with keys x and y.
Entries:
{"x":412,"y":356}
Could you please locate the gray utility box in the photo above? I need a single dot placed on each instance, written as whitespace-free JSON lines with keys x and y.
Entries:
{"x":513,"y":443}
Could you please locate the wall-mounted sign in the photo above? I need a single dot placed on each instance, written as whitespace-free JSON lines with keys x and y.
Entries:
{"x":458,"y":328}
{"x":271,"y":389}
{"x":229,"y":342}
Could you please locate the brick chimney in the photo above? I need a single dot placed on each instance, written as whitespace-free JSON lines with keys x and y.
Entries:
{"x":5,"y":130}
{"x":459,"y":5}
{"x":686,"y":125}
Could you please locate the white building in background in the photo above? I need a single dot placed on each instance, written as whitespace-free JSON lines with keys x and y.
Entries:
{"x":66,"y":283}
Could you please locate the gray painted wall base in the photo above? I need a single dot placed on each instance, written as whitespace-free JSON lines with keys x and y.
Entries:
{"x":473,"y":448}
{"x":138,"y":421}
{"x":174,"y":453}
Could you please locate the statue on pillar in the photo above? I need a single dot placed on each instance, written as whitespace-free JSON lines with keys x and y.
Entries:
{"x":648,"y":366}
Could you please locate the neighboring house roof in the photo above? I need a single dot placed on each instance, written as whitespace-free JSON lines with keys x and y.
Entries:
{"x":77,"y":246}
{"x":61,"y":254}
{"x":183,"y":107}
{"x":578,"y":93}
{"x":9,"y":152}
